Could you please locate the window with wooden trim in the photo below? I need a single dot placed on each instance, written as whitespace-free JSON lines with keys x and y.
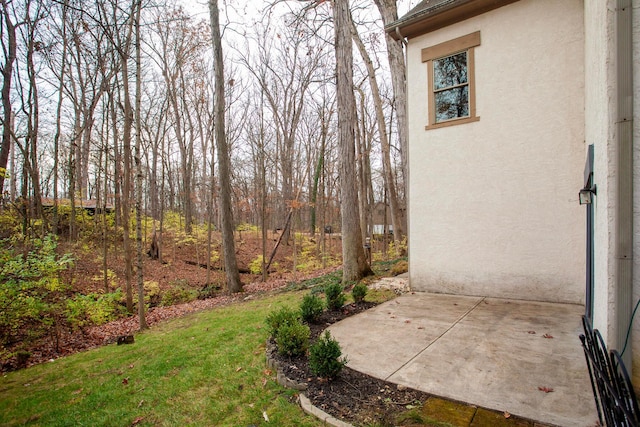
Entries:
{"x":451,"y":81}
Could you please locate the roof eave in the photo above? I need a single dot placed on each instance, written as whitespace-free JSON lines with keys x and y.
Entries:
{"x":430,"y":19}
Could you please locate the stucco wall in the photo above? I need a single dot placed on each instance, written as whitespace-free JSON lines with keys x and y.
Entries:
{"x":493,"y":204}
{"x":600,"y":113}
{"x":600,"y":130}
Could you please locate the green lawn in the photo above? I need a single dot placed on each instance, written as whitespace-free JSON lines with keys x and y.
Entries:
{"x":204,"y":369}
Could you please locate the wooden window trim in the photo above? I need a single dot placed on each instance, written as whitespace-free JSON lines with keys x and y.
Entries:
{"x":465,"y":43}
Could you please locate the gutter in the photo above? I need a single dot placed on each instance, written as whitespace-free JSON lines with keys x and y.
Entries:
{"x":624,"y":165}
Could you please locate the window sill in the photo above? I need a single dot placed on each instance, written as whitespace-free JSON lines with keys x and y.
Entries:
{"x":452,"y":122}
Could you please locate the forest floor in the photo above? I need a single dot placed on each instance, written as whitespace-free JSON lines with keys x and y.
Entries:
{"x":183,"y":268}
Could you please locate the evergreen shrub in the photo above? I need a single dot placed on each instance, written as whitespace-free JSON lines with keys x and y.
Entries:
{"x":324,"y":357}
{"x":311,"y":308}
{"x":278,"y":318}
{"x":335,"y":296}
{"x":358,"y":292}
{"x":292,"y":339}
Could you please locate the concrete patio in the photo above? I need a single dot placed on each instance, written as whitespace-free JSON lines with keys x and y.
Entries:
{"x":522,"y":357}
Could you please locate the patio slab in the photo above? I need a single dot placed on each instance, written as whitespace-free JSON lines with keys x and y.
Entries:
{"x":522,"y":357}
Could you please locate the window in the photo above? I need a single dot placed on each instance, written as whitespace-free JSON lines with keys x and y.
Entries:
{"x":451,"y":81}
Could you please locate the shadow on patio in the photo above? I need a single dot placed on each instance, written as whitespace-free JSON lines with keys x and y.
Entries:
{"x":518,"y":356}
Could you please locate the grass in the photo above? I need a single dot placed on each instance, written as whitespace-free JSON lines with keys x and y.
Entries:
{"x":203,"y":369}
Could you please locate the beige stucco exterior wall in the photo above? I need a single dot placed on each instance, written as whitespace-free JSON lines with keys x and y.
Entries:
{"x":493,"y":204}
{"x":600,"y":130}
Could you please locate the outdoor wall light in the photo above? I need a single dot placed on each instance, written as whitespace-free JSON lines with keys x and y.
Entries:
{"x":586,"y":195}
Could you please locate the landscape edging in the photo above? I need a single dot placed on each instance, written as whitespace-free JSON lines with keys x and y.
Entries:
{"x":304,"y":401}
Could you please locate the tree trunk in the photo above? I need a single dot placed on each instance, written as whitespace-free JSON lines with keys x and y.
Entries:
{"x":7,"y":73}
{"x":228,"y":244}
{"x":389,"y":12}
{"x":396,"y":220}
{"x":56,"y":137}
{"x":354,"y":262}
{"x":126,"y":148}
{"x":138,"y":160}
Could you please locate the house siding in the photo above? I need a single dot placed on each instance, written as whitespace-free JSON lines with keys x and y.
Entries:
{"x":493,"y":204}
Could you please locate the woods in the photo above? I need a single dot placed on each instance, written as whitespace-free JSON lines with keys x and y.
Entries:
{"x":120,"y":114}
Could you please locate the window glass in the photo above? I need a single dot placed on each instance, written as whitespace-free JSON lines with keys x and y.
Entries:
{"x":452,"y":103}
{"x":450,"y":71}
{"x":451,"y":87}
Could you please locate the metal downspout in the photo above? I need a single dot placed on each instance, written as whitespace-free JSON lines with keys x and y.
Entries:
{"x":624,"y":202}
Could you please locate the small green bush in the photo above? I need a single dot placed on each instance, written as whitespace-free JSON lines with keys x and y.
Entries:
{"x":335,"y":296}
{"x":178,"y":295}
{"x":278,"y":318}
{"x":311,"y":308}
{"x":93,"y":309}
{"x":255,"y":266}
{"x":324,"y":357}
{"x":358,"y":292}
{"x":292,"y":339}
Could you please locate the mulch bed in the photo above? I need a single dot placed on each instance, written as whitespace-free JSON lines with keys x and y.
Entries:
{"x":353,"y":396}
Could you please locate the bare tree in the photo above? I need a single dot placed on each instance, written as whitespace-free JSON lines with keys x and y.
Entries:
{"x":285,"y":66}
{"x":228,"y":244}
{"x":9,"y":47}
{"x":354,"y":261}
{"x":389,"y":182}
{"x":138,"y":161}
{"x":389,"y":13}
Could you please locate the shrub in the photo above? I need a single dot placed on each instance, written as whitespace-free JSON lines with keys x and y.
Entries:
{"x":292,"y":339}
{"x":400,"y":267}
{"x":32,"y":294}
{"x":324,"y":357}
{"x":277,"y":318}
{"x":358,"y":292}
{"x":178,"y":295}
{"x":311,"y":308}
{"x":255,"y":266}
{"x":335,"y":296}
{"x":93,"y":309}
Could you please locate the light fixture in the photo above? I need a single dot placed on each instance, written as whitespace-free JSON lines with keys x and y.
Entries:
{"x":586,"y":195}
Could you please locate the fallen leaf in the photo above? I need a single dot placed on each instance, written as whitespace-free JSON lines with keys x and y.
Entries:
{"x":264,"y":382}
{"x":267,"y":372}
{"x":137,"y":421}
{"x":239,"y":368}
{"x":548,"y":336}
{"x":141,"y":403}
{"x":77,"y":391}
{"x":125,"y":381}
{"x":131,"y":366}
{"x":264,"y":415}
{"x":507,"y":415}
{"x":546,"y":389}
